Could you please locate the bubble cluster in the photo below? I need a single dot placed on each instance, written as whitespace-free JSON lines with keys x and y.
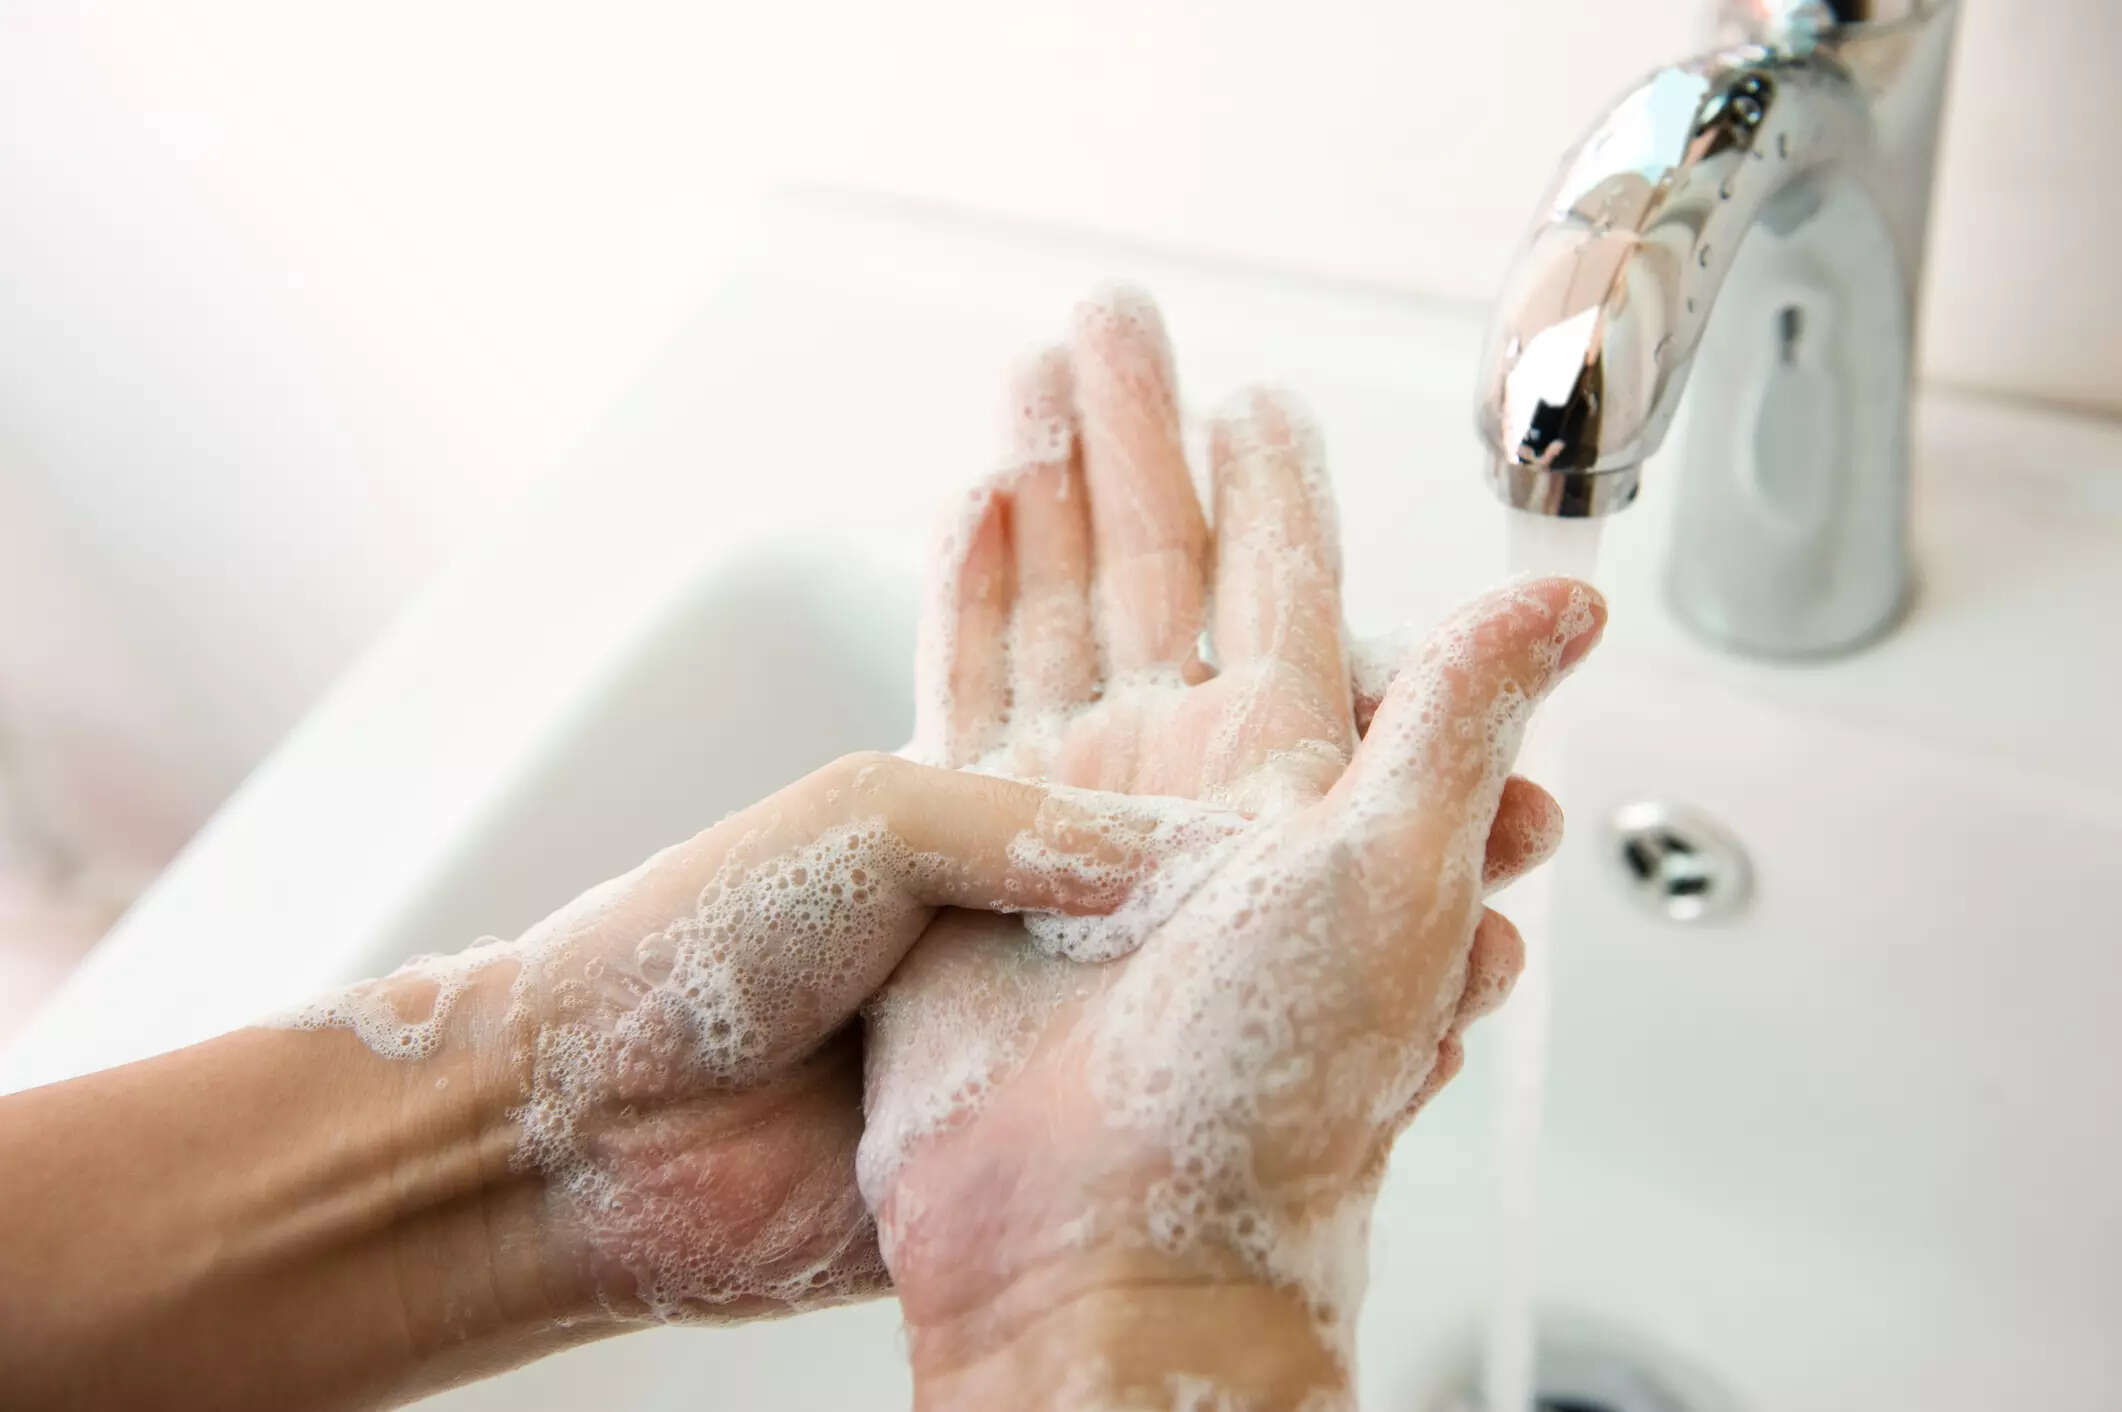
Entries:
{"x":1151,"y":853}
{"x":1290,"y":983}
{"x":405,"y":1014}
{"x":1254,"y":1027}
{"x":1219,"y":1058}
{"x":1254,"y":1054}
{"x":956,"y":1024}
{"x":715,"y":999}
{"x":655,"y":991}
{"x":1247,"y":995}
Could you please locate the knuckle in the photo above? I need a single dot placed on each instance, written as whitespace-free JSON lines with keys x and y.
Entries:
{"x":865,"y":773}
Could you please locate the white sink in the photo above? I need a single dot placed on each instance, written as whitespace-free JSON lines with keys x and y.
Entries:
{"x":1854,"y":1147}
{"x":1858,"y":1147}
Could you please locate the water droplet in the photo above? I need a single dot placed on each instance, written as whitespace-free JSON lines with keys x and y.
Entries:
{"x":1783,"y":145}
{"x":1702,"y":257}
{"x":1664,"y":345}
{"x":1724,"y":190}
{"x":1690,"y":306}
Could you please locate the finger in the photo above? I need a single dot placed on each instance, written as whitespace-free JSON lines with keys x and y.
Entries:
{"x":1054,"y":658}
{"x":1451,"y":1058}
{"x":1149,"y":540}
{"x":954,"y":838}
{"x":1372,"y":664}
{"x":1441,"y":744}
{"x":1526,"y":833}
{"x":1278,"y":555}
{"x":1493,"y":965}
{"x":961,"y":671}
{"x":771,"y":927}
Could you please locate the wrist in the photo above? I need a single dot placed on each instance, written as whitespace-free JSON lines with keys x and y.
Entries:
{"x":620,"y":1186}
{"x":474,"y":1224}
{"x":1132,"y":1330}
{"x":470,"y":1220}
{"x":447,"y":1230}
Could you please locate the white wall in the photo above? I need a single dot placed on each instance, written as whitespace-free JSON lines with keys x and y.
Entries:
{"x":291,"y":295}
{"x":1405,"y":144}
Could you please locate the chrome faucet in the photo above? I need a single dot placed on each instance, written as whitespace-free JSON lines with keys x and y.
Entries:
{"x":1751,"y":222}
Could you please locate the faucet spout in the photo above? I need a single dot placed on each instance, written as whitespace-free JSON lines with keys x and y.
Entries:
{"x":1752,"y":223}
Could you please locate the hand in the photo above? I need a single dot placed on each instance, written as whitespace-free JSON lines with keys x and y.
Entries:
{"x":671,"y":1050}
{"x":645,"y":1108}
{"x":1139,"y":1159}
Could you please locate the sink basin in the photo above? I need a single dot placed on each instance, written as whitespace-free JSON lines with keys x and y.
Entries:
{"x":1858,"y":1146}
{"x":1853,"y":1146}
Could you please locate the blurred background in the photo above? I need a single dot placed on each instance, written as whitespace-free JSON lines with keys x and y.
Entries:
{"x":294,"y":300}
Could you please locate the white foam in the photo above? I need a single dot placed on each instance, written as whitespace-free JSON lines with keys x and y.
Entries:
{"x":1153,"y":852}
{"x":1251,"y":1017}
{"x":958,"y":1021}
{"x":1261,"y":1049}
{"x":716,"y":998}
{"x":1259,"y":980}
{"x":653,"y":990}
{"x":404,"y":1015}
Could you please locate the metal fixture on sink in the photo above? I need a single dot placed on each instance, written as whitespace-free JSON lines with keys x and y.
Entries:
{"x":1751,"y":222}
{"x":1679,"y":863}
{"x":1582,"y":1366}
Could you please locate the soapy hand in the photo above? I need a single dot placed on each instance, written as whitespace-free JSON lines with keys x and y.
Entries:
{"x":1148,"y":1180}
{"x":672,"y":1049}
{"x":1146,"y":1030}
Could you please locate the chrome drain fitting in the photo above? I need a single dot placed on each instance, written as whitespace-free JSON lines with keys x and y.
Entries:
{"x":1679,"y":863}
{"x":1584,"y":1367}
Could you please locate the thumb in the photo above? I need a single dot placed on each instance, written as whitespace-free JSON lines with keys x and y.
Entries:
{"x":1448,"y":726}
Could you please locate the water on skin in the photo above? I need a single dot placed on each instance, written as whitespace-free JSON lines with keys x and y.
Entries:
{"x":1532,"y":544}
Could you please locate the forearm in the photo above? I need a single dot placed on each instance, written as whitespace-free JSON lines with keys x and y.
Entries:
{"x":270,"y":1219}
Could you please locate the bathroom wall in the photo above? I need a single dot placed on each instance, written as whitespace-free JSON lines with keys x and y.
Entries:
{"x":295,"y":296}
{"x":1404,"y":144}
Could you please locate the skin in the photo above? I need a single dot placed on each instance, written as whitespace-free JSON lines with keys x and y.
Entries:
{"x":1022,"y":1237}
{"x":283,"y":1217}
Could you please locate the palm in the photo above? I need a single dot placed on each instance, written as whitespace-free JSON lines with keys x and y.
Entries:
{"x":1205,"y":743}
{"x":1062,"y":645}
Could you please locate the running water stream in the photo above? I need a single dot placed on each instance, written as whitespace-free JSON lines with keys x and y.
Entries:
{"x":1532,"y":544}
